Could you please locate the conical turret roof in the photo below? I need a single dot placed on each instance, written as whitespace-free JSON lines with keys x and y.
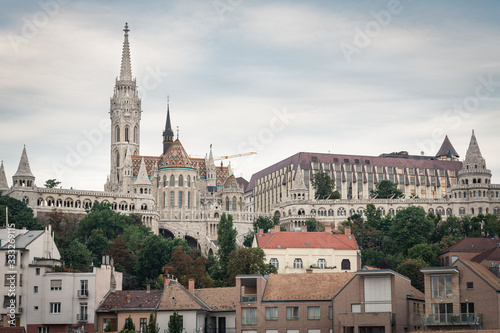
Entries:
{"x":447,"y":149}
{"x":473,"y":158}
{"x":24,"y":166}
{"x":3,"y":179}
{"x":299,"y":183}
{"x":142,"y":177}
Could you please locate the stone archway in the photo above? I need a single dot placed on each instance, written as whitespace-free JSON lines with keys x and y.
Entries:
{"x":166,"y":233}
{"x":192,"y":242}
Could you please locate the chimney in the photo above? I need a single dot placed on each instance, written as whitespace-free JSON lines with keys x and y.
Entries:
{"x":309,"y":271}
{"x":148,"y":288}
{"x":495,"y":269}
{"x":261,"y":231}
{"x":303,"y":228}
{"x":276,"y":229}
{"x":165,"y":283}
{"x":191,"y":286}
{"x":347,"y":230}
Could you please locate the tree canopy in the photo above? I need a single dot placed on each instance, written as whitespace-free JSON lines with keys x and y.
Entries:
{"x":324,"y":186}
{"x":314,"y":225}
{"x":226,"y":239}
{"x":248,"y":261}
{"x":386,"y":189}
{"x":20,"y":215}
{"x":51,"y":183}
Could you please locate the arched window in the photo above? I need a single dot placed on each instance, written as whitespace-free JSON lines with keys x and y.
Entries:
{"x":172,"y":199}
{"x":274,"y":262}
{"x":181,"y":180}
{"x":164,"y":181}
{"x":172,"y":180}
{"x":117,"y":159}
{"x":227,"y":204}
{"x":297,"y":263}
{"x":180,"y":199}
{"x":341,"y":211}
{"x":346,"y":265}
{"x":189,"y":199}
{"x":126,"y":134}
{"x":117,"y":132}
{"x":234,"y":204}
{"x":321,"y":263}
{"x":330,"y":212}
{"x":188,"y":181}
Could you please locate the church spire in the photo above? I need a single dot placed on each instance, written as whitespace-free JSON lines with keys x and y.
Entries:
{"x":126,"y":69}
{"x":23,"y":175}
{"x":473,"y":158}
{"x":3,"y":179}
{"x":168,"y":134}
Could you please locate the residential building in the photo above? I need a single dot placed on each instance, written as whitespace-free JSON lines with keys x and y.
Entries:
{"x":465,"y":295}
{"x":469,"y":248}
{"x":362,"y":301}
{"x":295,"y":252}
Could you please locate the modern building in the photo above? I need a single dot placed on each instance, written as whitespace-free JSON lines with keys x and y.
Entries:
{"x":362,"y":301}
{"x":479,"y":249}
{"x":440,"y":184}
{"x":296,"y":252}
{"x":465,"y":295}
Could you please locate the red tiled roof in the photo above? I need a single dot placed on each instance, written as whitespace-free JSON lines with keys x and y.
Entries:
{"x":473,"y":244}
{"x":316,"y":240}
{"x":312,"y":286}
{"x":491,"y":254}
{"x":131,"y":299}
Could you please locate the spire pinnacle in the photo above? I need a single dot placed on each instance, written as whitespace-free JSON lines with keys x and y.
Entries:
{"x":473,"y":158}
{"x":126,"y":68}
{"x":3,"y":179}
{"x":168,"y":134}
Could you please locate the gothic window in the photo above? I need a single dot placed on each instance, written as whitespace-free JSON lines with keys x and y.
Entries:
{"x":117,"y":130}
{"x":180,"y":199}
{"x":330,"y":212}
{"x":172,"y":180}
{"x":126,"y":134}
{"x":164,"y":199}
{"x":164,"y":181}
{"x":117,"y":159}
{"x":381,"y":210}
{"x":189,"y":200}
{"x":431,"y":211}
{"x":188,"y":181}
{"x":313,"y":212}
{"x":181,"y":180}
{"x":227,"y":204}
{"x":172,"y":199}
{"x":234,"y":204}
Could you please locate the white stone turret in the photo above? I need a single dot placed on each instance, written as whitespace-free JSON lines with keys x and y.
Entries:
{"x":142,"y":184}
{"x":23,"y":177}
{"x":474,"y":166}
{"x":211,"y":172}
{"x":128,"y":172}
{"x":299,"y":189}
{"x":4,"y":186}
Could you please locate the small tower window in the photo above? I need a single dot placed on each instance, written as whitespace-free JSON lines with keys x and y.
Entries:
{"x":172,"y":180}
{"x":126,"y":134}
{"x":117,"y":130}
{"x":181,"y":180}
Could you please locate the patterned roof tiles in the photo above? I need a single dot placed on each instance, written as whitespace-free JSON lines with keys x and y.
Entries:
{"x":175,"y":157}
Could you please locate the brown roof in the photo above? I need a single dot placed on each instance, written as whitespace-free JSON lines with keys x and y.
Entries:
{"x":130,"y":299}
{"x":447,"y":149}
{"x":484,"y":273}
{"x":219,"y":299}
{"x":473,"y":244}
{"x":491,"y":254}
{"x":415,"y":293}
{"x":322,"y":286}
{"x":316,"y":240}
{"x":176,"y":297}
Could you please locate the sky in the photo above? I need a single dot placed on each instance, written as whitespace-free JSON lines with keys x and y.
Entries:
{"x":271,"y":77}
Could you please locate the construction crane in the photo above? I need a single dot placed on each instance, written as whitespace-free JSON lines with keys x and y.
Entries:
{"x":225,"y":157}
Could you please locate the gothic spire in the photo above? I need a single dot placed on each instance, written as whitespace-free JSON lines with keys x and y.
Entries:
{"x":473,"y":158}
{"x":142,"y":177}
{"x":126,"y":69}
{"x":3,"y":179}
{"x":168,"y":134}
{"x":23,"y":169}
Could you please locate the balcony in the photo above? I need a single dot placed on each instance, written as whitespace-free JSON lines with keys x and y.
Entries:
{"x":83,"y":294}
{"x":465,"y":319}
{"x":82,"y":317}
{"x":248,"y":298}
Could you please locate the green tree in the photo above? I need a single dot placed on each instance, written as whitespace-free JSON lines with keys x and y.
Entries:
{"x":20,"y":215}
{"x":314,"y":225}
{"x":175,"y":324}
{"x":226,"y":239}
{"x":411,"y":269}
{"x":124,"y":259}
{"x":152,"y":326}
{"x":324,"y":186}
{"x":98,"y":244}
{"x":386,"y":189}
{"x":373,"y":216}
{"x":189,"y":264}
{"x":410,"y":227}
{"x":426,"y":252}
{"x":77,"y":255}
{"x":63,"y":225}
{"x":262,"y":222}
{"x":51,"y":183}
{"x":134,"y":235}
{"x":129,"y":326}
{"x":449,"y":227}
{"x":248,"y":238}
{"x":108,"y":327}
{"x":248,"y":261}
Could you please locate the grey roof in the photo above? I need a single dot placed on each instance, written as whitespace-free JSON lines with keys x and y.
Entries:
{"x":24,"y":166}
{"x":3,"y":179}
{"x":22,"y":241}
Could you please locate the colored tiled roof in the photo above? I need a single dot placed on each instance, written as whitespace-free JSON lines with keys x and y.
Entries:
{"x":231,"y":184}
{"x":492,"y":254}
{"x":483,"y":273}
{"x":312,"y":286}
{"x":219,"y":299}
{"x":316,"y":240}
{"x":176,"y":297}
{"x":148,"y":160}
{"x":447,"y":149}
{"x":473,"y":244}
{"x":175,"y":157}
{"x":139,"y":299}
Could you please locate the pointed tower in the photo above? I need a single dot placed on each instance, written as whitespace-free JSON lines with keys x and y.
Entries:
{"x":142,"y":184}
{"x":4,"y":186}
{"x":299,"y":188}
{"x":125,"y":113}
{"x":474,"y":166}
{"x":23,"y":176}
{"x":211,"y":173}
{"x":168,"y":134}
{"x":128,"y":172}
{"x":447,"y":152}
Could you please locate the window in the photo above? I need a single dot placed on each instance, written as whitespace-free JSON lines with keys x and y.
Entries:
{"x":346,"y":264}
{"x":330,"y":312}
{"x":172,"y":180}
{"x":180,"y":199}
{"x":35,"y":289}
{"x":442,"y":309}
{"x":55,"y":308}
{"x":10,"y":259}
{"x":466,"y":308}
{"x":321,"y":263}
{"x":84,"y":288}
{"x":297,"y":263}
{"x":275,"y":263}
{"x":234,"y":204}
{"x":441,"y":286}
{"x":271,"y":313}
{"x":249,"y":316}
{"x":292,"y":313}
{"x":470,"y":285}
{"x":143,"y":324}
{"x":181,"y":180}
{"x":43,"y":329}
{"x":83,"y":315}
{"x":7,"y":301}
{"x":37,"y":271}
{"x":313,"y":313}
{"x":55,"y":284}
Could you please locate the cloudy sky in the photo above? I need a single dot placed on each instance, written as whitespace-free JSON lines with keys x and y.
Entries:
{"x":274,"y":77}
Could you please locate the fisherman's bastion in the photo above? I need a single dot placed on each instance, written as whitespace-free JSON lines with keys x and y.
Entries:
{"x":181,"y":196}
